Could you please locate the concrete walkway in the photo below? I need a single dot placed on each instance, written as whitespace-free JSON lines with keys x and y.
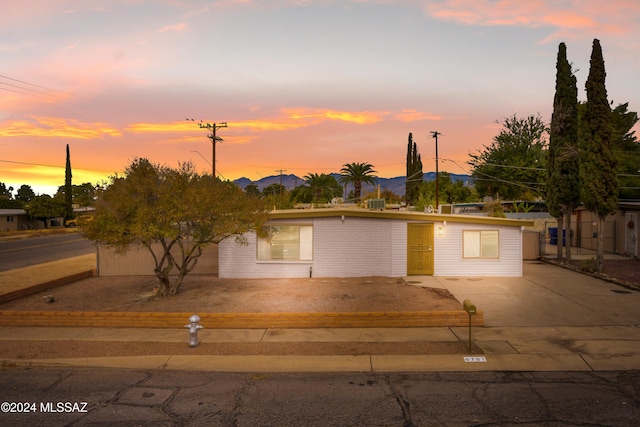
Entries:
{"x":551,"y":319}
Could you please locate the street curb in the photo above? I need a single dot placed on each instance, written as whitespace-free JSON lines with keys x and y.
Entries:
{"x":30,"y":290}
{"x":303,"y":320}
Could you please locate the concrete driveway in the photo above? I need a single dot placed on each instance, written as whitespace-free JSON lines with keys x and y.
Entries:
{"x":551,"y":314}
{"x":546,"y":295}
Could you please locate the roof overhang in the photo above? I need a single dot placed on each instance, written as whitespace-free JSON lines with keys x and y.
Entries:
{"x":396,"y":215}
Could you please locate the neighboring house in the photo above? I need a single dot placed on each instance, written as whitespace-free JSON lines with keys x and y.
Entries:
{"x":360,"y":243}
{"x":620,"y":230}
{"x":16,"y":219}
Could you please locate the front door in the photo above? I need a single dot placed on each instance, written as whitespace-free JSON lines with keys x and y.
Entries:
{"x":420,"y":249}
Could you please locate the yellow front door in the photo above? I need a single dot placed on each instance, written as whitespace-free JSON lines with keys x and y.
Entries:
{"x":419,"y":249}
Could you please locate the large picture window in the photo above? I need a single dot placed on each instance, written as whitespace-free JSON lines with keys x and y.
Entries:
{"x":286,"y":243}
{"x":480,"y":244}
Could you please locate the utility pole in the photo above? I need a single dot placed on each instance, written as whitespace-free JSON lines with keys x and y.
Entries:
{"x":281,"y":188}
{"x":435,"y":134}
{"x":212,"y":127}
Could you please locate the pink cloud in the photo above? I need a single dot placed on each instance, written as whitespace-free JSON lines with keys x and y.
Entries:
{"x":176,"y":27}
{"x":572,"y":19}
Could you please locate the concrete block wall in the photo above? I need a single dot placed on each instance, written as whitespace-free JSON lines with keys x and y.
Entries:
{"x":449,"y":260}
{"x":137,"y":261}
{"x":351,"y":248}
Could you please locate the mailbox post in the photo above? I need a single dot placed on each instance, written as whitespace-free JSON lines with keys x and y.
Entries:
{"x":471,"y":310}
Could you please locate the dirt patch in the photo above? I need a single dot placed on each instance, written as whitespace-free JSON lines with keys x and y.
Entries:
{"x":204,"y":294}
{"x":626,"y":271}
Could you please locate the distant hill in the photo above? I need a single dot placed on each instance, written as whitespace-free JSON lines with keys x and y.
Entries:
{"x":396,"y":184}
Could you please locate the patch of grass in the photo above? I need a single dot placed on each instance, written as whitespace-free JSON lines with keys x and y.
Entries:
{"x":589,"y":265}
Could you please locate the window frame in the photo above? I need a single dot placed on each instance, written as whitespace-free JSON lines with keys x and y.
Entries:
{"x":304,"y":242}
{"x":481,"y":248}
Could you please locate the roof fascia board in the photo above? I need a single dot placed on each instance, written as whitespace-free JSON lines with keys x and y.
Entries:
{"x":408,"y":216}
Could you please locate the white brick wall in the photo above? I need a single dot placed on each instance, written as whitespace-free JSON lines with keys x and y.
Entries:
{"x":448,"y":252}
{"x":398,"y":248}
{"x":353,"y":247}
{"x":372,"y":247}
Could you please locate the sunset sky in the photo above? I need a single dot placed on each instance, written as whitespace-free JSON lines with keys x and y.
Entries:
{"x":304,"y":85}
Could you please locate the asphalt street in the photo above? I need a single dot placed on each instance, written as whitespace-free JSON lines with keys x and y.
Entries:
{"x":21,"y":253}
{"x":76,"y":396}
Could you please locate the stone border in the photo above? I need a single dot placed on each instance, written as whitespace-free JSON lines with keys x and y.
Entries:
{"x":453,"y":318}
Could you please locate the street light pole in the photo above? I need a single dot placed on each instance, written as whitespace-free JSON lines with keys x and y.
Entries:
{"x":435,"y":134}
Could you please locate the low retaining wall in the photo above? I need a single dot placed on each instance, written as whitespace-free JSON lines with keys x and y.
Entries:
{"x":21,"y":293}
{"x":241,"y":320}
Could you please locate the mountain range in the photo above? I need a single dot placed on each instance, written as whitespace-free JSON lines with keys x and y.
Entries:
{"x":396,"y":184}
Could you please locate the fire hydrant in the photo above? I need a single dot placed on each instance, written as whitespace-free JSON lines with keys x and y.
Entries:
{"x":193,"y":330}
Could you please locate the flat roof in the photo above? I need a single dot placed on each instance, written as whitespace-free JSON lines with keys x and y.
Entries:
{"x":399,"y":215}
{"x":13,"y":212}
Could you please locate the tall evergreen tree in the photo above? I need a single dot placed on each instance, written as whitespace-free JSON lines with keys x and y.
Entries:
{"x":563,"y":180}
{"x":414,"y":172}
{"x":68,"y":192}
{"x":598,"y":165}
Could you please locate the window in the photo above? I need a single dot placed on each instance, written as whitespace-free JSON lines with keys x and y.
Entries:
{"x":10,"y":218}
{"x":480,"y":244}
{"x":286,"y":243}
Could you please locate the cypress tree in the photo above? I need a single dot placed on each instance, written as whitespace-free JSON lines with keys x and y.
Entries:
{"x":414,"y":172}
{"x":598,"y":165}
{"x":563,"y":181}
{"x":68,"y":196}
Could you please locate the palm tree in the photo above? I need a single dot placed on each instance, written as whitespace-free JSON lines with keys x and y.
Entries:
{"x":357,"y":174}
{"x":322,"y":185}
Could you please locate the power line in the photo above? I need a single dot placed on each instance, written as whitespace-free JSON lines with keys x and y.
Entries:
{"x":50,"y":166}
{"x":25,"y":88}
{"x":514,"y":167}
{"x":27,"y":83}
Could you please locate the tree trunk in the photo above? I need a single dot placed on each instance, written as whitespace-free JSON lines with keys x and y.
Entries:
{"x":189,"y":259}
{"x":567,"y":231}
{"x":165,"y":283}
{"x":600,"y":247}
{"x":559,"y":243}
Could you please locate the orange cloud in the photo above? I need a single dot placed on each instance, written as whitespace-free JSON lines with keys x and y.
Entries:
{"x":414,"y":116}
{"x":162,"y":127}
{"x":48,"y":127}
{"x":291,"y":118}
{"x":319,"y":115}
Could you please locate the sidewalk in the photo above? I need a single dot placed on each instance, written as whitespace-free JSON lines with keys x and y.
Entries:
{"x":505,"y":349}
{"x":552,"y":319}
{"x":14,"y":280}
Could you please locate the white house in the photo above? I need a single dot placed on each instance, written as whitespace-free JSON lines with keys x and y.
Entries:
{"x":354,"y":242}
